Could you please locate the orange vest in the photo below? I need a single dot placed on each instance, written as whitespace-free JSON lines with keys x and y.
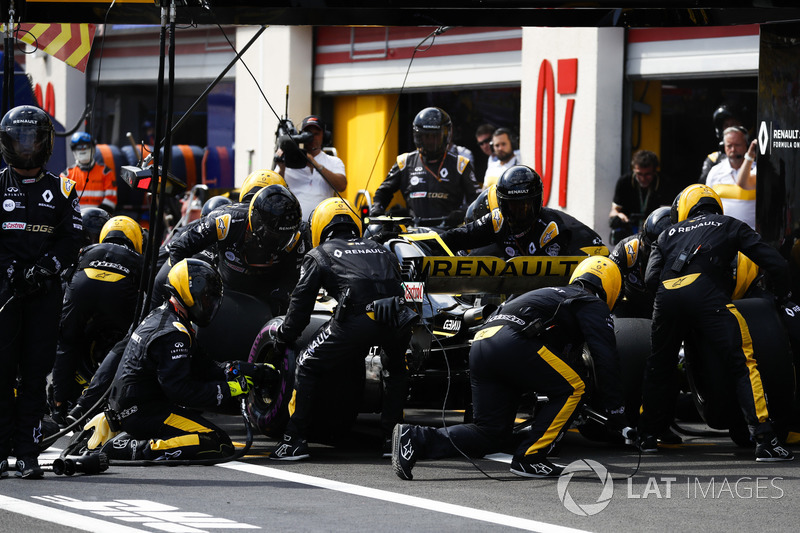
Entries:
{"x":94,"y":187}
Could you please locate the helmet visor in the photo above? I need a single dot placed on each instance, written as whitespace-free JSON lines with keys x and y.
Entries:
{"x":521,"y":214}
{"x":430,"y":143}
{"x":207,"y":300}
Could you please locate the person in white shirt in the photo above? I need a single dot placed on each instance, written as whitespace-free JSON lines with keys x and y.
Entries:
{"x":734,"y":178}
{"x":503,"y":158}
{"x":322,"y":177}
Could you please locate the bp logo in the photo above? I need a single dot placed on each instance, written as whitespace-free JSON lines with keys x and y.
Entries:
{"x":585,"y":509}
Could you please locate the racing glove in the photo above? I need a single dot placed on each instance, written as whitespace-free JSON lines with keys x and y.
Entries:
{"x":46,"y":267}
{"x":278,"y":340}
{"x":386,"y":310}
{"x":102,"y":431}
{"x":240,"y":386}
{"x":617,"y":420}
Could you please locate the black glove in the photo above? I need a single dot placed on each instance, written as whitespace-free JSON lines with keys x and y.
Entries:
{"x":278,"y":340}
{"x":386,"y":310}
{"x":617,"y":420}
{"x":254,"y":373}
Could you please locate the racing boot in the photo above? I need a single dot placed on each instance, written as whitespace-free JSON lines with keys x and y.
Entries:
{"x":4,"y":468}
{"x":28,"y":468}
{"x":123,"y":447}
{"x":291,"y":449}
{"x":403,"y":454}
{"x":769,"y":448}
{"x":535,"y":465}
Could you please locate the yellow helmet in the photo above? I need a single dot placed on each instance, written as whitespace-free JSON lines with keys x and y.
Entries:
{"x":602,"y":274}
{"x":198,"y":287}
{"x":330,"y":214}
{"x":123,"y":230}
{"x":692,"y":200}
{"x":258,"y":180}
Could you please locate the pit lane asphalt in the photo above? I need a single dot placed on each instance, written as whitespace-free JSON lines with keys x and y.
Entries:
{"x":706,"y":482}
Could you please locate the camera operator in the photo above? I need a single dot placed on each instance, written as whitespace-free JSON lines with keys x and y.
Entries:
{"x":314,"y":175}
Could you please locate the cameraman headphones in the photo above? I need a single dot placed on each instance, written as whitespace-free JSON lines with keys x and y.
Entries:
{"x":511,"y":137}
{"x":315,"y":120}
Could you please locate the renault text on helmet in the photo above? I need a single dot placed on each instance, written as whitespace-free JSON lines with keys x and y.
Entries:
{"x":26,"y":137}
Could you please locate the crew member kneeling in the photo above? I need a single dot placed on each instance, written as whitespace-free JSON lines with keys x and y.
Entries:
{"x":531,"y":344}
{"x":163,"y":373}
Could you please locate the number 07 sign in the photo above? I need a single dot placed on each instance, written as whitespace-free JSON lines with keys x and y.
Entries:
{"x":567,"y":83}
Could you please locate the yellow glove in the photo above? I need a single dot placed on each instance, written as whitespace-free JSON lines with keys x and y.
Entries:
{"x":102,"y":433}
{"x":240,"y":386}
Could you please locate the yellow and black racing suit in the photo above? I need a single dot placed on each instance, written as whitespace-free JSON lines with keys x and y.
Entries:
{"x":553,"y":233}
{"x":40,"y":226}
{"x":355,"y":272}
{"x":508,"y":359}
{"x":163,"y":375}
{"x":689,"y":271}
{"x":99,"y":303}
{"x":433,"y":191}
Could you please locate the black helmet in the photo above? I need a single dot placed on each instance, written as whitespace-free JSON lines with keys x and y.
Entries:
{"x":654,"y":224}
{"x":478,"y":208}
{"x":519,"y":196}
{"x":692,"y":200}
{"x":26,"y":137}
{"x":213,"y":203}
{"x":432,"y":132}
{"x":198,"y":288}
{"x":275,"y":217}
{"x":721,"y":115}
{"x":93,"y":219}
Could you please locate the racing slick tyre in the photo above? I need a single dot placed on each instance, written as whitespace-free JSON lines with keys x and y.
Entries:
{"x":633,"y":347}
{"x":268,"y":407}
{"x":714,"y":396}
{"x":239,"y":319}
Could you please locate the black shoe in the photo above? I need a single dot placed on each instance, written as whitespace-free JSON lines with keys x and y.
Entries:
{"x":28,"y":468}
{"x":76,"y":412}
{"x":291,"y":449}
{"x":535,"y":465}
{"x":403,"y":455}
{"x":669,"y":437}
{"x":387,"y":448}
{"x":123,"y":447}
{"x":770,"y":449}
{"x":4,"y":468}
{"x":647,"y":444}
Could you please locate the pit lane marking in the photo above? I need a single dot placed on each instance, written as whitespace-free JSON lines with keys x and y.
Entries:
{"x":61,"y":517}
{"x":402,"y":499}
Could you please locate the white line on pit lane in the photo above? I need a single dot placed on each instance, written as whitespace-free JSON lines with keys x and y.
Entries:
{"x":63,"y":518}
{"x":413,"y":501}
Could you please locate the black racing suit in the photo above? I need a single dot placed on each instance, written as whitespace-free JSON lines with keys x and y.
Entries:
{"x":269,"y":275}
{"x":554,"y":233}
{"x":631,"y":258}
{"x":99,"y":303}
{"x":161,"y":377}
{"x":505,"y":362}
{"x":433,"y":191}
{"x":689,"y":271}
{"x":40,"y":225}
{"x":355,"y":272}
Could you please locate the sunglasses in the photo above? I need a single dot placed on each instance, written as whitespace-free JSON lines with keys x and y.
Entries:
{"x":485,"y":141}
